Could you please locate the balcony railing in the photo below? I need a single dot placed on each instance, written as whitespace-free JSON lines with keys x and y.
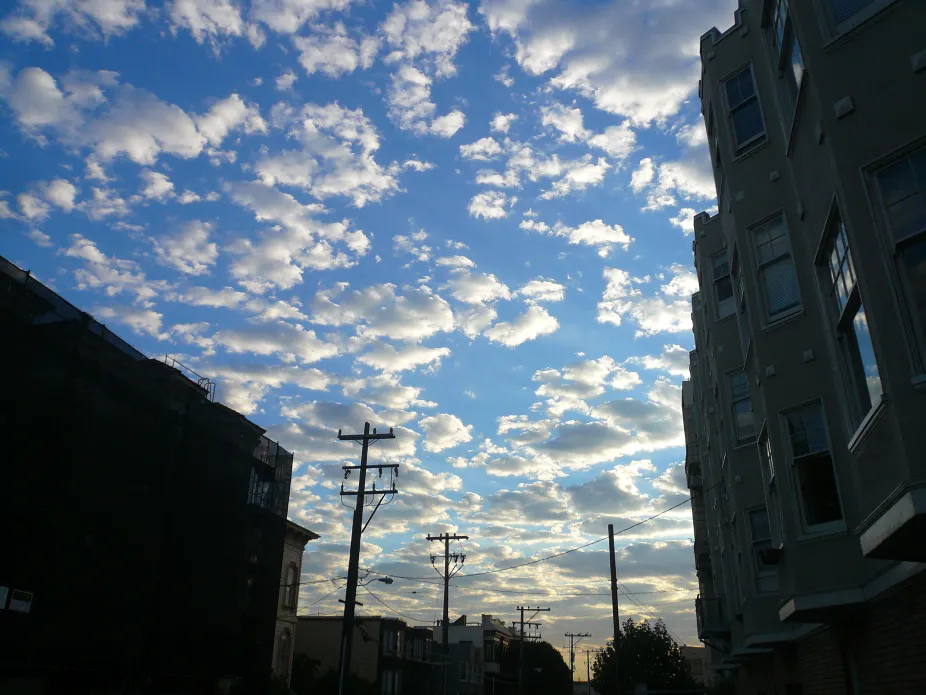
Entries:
{"x":712,"y":621}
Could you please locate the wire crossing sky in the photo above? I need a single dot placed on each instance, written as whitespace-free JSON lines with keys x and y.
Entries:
{"x":468,"y":222}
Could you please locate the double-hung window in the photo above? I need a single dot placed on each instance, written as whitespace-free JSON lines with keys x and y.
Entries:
{"x":745,"y":113}
{"x":852,"y":333}
{"x":786,"y":55}
{"x":777,"y":274}
{"x":723,"y":286}
{"x":760,"y":532}
{"x":744,"y":430}
{"x":814,"y":476}
{"x":902,"y":188}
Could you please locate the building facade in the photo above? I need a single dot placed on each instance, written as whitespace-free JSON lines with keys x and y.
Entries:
{"x":390,"y":656}
{"x":478,"y":652}
{"x":149,"y":519}
{"x":285,"y":635}
{"x":805,"y":410}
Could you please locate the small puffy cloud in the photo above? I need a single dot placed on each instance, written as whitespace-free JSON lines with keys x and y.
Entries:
{"x":389,"y":359}
{"x":542,"y":290}
{"x":427,"y":33}
{"x":662,"y":313}
{"x":385,"y":390}
{"x":683,"y":283}
{"x":483,"y":149}
{"x":617,"y":140}
{"x":413,"y":245}
{"x":31,"y":21}
{"x":444,"y":431}
{"x":32,"y":207}
{"x":455,"y":262}
{"x":475,"y":319}
{"x":476,"y":288}
{"x":276,"y":338}
{"x":331,"y":51}
{"x":501,"y":122}
{"x":491,"y":205}
{"x":60,"y":193}
{"x":141,"y":321}
{"x":596,"y":234}
{"x":155,"y":185}
{"x":227,"y":115}
{"x":210,"y":20}
{"x":643,"y":175}
{"x":532,"y":324}
{"x":189,"y":249}
{"x":673,"y":359}
{"x":288,"y":16}
{"x":447,"y":125}
{"x":39,"y":238}
{"x":566,"y":121}
{"x":285,"y":80}
{"x":411,"y":108}
{"x":578,"y":177}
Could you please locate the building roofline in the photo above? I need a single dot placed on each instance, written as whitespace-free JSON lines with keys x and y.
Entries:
{"x":301,"y":531}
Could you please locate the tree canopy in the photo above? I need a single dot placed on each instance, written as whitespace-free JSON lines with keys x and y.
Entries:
{"x":648,"y":654}
{"x":545,"y":670}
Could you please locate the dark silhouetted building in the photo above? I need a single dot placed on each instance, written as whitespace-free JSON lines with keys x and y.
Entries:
{"x":144,"y":522}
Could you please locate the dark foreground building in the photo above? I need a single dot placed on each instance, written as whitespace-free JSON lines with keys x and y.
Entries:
{"x":144,"y":523}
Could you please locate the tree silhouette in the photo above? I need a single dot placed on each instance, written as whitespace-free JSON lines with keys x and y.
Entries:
{"x":545,"y":671}
{"x":648,"y":655}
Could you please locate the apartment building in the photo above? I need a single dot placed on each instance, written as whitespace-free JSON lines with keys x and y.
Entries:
{"x":293,"y":547}
{"x":479,"y":652}
{"x":805,"y":415}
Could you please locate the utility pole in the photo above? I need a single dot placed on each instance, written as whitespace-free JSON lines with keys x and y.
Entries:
{"x":615,"y":612}
{"x":572,"y":648}
{"x":353,"y":566}
{"x":458,"y":560}
{"x":529,"y":624}
{"x":588,"y":670}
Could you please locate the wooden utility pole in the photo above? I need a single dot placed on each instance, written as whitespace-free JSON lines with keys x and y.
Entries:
{"x":448,"y":573}
{"x":353,"y":566}
{"x":572,"y":648}
{"x":615,"y":612}
{"x":528,"y":623}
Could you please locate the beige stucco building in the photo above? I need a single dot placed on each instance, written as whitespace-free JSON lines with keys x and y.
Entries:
{"x":285,"y":635}
{"x":805,"y":415}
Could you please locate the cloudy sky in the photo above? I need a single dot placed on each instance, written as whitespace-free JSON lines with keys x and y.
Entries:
{"x":468,"y":222}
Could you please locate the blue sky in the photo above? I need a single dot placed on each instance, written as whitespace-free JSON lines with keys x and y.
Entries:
{"x":469,"y":222}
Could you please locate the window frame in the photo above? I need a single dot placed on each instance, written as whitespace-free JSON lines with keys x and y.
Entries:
{"x":737,"y":440}
{"x":291,"y":586}
{"x":843,"y":330}
{"x":715,"y":280}
{"x":741,"y":149}
{"x":782,"y":47}
{"x":760,"y":267}
{"x":835,"y":31}
{"x":760,"y":573}
{"x":914,"y":326}
{"x":826,"y":528}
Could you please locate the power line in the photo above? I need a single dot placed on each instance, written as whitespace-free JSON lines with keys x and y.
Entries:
{"x":414,"y":620}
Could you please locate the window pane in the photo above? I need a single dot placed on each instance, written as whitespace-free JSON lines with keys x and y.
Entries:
{"x":797,"y":63}
{"x":747,"y":122}
{"x":844,"y":9}
{"x":871,"y":390}
{"x":781,"y":288}
{"x":739,"y":386}
{"x":720,"y":266}
{"x":907,"y":216}
{"x":896,"y":182}
{"x":742,"y":414}
{"x":913,"y":262}
{"x":807,"y":431}
{"x":819,"y":495}
{"x":758,"y":523}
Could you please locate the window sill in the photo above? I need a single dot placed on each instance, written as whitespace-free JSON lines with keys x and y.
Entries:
{"x":726,"y":318}
{"x":784,"y":320}
{"x":868,"y":423}
{"x":919,"y":382}
{"x":750,"y":151}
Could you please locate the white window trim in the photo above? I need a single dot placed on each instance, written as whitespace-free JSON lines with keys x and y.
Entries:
{"x":769,"y":321}
{"x":760,"y":574}
{"x":737,"y":442}
{"x":830,"y":528}
{"x":715,"y":280}
{"x":752,"y":144}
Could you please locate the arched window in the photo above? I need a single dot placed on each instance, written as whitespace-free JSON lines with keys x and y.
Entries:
{"x":291,"y":587}
{"x":283,"y":650}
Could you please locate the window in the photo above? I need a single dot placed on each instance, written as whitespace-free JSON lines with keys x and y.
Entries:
{"x":743,"y":429}
{"x":761,"y":535}
{"x":903,"y":195}
{"x":813,"y":465}
{"x":291,"y":586}
{"x":723,"y":287}
{"x":786,"y":55}
{"x":775,"y":264}
{"x":391,"y":682}
{"x":389,"y":642}
{"x":864,"y":381}
{"x":283,"y":650}
{"x":745,"y":113}
{"x":845,"y":9}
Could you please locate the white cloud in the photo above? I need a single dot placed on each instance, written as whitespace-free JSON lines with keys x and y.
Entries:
{"x":673,"y":359}
{"x":532,"y":324}
{"x":447,"y":125}
{"x":684,"y":282}
{"x":141,"y":321}
{"x":476,"y":288}
{"x":578,"y":177}
{"x":288,"y":16}
{"x":596,"y":234}
{"x":501,"y":122}
{"x":60,"y":193}
{"x":567,"y":121}
{"x":472,"y":321}
{"x":481,"y":150}
{"x":155,"y":185}
{"x":380,"y":312}
{"x":188,"y":249}
{"x":385,"y":390}
{"x":276,"y":338}
{"x":32,"y":207}
{"x":569,"y":388}
{"x":227,"y":115}
{"x":105,"y":203}
{"x":617,"y":140}
{"x":336,"y":158}
{"x":542,"y":290}
{"x":429,"y":33}
{"x":388,"y":359}
{"x":226,"y":297}
{"x":643,"y":175}
{"x":444,"y":431}
{"x":491,"y":205}
{"x":40,"y":238}
{"x":661,"y":313}
{"x":412,"y":244}
{"x":206,"y":19}
{"x":285,"y":80}
{"x":32,"y":19}
{"x":455,"y":262}
{"x":647,"y":80}
{"x":331,"y":51}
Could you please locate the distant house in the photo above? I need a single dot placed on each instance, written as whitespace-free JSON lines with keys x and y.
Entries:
{"x":699,"y":662}
{"x":387,"y":652}
{"x":477,"y":655}
{"x":293,"y":546}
